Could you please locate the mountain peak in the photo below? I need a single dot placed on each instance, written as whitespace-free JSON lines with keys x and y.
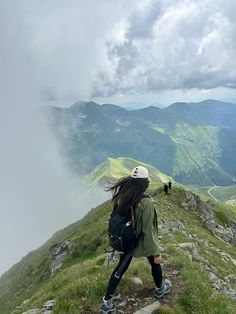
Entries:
{"x":84,"y":105}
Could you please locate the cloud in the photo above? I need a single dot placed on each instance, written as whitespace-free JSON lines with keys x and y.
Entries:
{"x":172,"y":45}
{"x":99,"y":48}
{"x":38,"y":195}
{"x":68,"y":42}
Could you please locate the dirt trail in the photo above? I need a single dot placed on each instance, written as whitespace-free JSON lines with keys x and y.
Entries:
{"x":209,"y":192}
{"x":141,"y":296}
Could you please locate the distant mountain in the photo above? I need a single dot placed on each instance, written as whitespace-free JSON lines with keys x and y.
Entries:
{"x":90,"y":133}
{"x":212,"y":112}
{"x":137,"y":105}
{"x":195,"y":143}
{"x":132,"y":105}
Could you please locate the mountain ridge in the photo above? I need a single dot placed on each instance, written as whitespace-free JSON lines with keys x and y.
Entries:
{"x":150,"y":134}
{"x":114,"y":168}
{"x":79,"y":284}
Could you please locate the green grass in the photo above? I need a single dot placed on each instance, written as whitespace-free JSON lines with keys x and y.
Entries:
{"x":198,"y":296}
{"x":84,"y":284}
{"x":160,"y":130}
{"x":221,"y":193}
{"x":114,"y":168}
{"x":197,"y":151}
{"x":79,"y":285}
{"x":224,"y":193}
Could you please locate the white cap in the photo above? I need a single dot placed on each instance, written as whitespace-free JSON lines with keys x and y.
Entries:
{"x":140,"y":172}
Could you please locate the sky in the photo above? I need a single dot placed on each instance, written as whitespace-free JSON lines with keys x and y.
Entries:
{"x":116,"y":51}
{"x":58,"y":52}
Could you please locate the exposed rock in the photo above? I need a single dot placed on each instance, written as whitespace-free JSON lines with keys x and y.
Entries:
{"x":148,"y":309}
{"x":33,"y":311}
{"x":58,"y":253}
{"x":232,"y":278}
{"x":175,"y":272}
{"x":123,"y":304}
{"x":221,"y":286}
{"x":48,"y":305}
{"x":212,"y":277}
{"x":204,"y":242}
{"x":192,"y":247}
{"x":230,"y":293}
{"x":193,"y":202}
{"x":22,"y":304}
{"x":168,"y":281}
{"x":46,"y":308}
{"x":226,"y":235}
{"x":117,"y":297}
{"x":233,"y":260}
{"x":166,"y":226}
{"x":138,"y":281}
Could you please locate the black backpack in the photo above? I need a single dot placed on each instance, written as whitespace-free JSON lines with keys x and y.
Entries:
{"x":121,"y":231}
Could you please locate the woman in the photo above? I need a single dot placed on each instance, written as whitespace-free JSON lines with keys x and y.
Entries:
{"x":129,"y":191}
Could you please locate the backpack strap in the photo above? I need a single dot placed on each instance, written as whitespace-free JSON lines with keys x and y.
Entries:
{"x":132,"y":214}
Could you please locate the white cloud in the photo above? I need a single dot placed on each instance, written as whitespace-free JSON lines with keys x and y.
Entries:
{"x":68,"y":41}
{"x":175,"y":45}
{"x":38,"y":195}
{"x":79,"y":49}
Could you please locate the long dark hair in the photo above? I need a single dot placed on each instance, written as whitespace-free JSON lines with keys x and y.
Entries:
{"x":127,"y":192}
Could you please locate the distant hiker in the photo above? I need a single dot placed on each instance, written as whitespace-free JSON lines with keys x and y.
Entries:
{"x":170,"y":185}
{"x":165,"y":188}
{"x":127,"y":197}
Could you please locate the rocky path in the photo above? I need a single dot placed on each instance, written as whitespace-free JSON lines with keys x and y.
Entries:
{"x":141,"y":300}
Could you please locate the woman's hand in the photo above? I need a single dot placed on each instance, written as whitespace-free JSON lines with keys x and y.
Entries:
{"x":158,"y":259}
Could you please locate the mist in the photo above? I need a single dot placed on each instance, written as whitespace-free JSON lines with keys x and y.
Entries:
{"x":38,"y":193}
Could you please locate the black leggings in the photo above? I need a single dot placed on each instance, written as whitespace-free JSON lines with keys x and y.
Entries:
{"x":114,"y":280}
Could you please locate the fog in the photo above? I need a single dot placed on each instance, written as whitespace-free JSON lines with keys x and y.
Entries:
{"x":38,"y":194}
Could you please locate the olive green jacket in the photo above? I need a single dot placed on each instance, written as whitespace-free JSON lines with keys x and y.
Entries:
{"x":146,"y":224}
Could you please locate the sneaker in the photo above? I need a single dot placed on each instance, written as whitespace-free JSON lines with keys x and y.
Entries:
{"x":107,"y":306}
{"x":159,"y":292}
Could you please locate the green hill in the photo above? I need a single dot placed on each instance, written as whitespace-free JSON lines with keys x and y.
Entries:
{"x":224,"y":193}
{"x":202,"y":274}
{"x":114,"y":168}
{"x":221,"y":193}
{"x":210,"y":111}
{"x":197,"y":154}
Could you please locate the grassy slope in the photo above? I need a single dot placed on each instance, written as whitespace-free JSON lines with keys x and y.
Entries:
{"x":224,"y":193}
{"x":117,"y":167}
{"x":221,"y":193}
{"x":82,"y":280}
{"x":197,"y":153}
{"x":27,"y":276}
